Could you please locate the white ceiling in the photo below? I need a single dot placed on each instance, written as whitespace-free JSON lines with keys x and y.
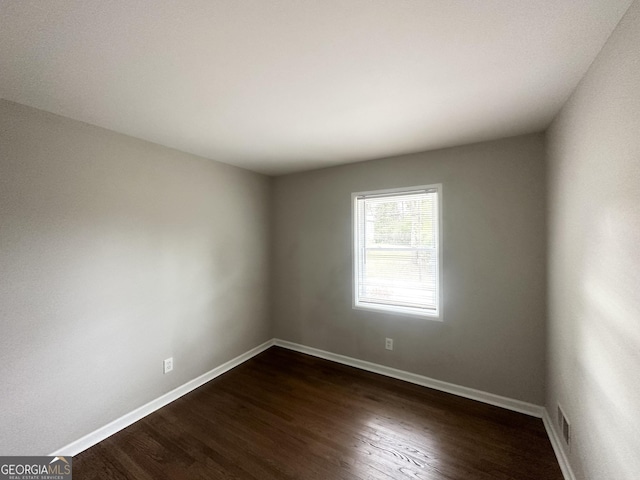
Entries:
{"x":279,"y":86}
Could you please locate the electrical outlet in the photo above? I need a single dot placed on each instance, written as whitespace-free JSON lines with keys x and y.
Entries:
{"x":168,"y":365}
{"x":388,"y":344}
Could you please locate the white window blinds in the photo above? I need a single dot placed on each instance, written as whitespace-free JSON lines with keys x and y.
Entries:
{"x":396,"y":250}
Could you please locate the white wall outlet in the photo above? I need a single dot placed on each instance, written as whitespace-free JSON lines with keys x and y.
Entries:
{"x":168,"y":365}
{"x":388,"y":343}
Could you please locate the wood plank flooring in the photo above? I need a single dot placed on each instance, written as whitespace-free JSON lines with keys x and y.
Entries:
{"x":285,"y":415}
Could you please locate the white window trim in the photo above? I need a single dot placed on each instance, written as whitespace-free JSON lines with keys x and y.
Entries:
{"x":393,"y":309}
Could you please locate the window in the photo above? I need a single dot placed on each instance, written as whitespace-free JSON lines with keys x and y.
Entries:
{"x":397,"y":251}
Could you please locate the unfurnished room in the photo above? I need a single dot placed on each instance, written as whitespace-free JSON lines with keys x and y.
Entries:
{"x":320,"y":239}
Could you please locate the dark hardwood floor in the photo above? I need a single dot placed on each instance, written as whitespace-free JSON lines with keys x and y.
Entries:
{"x":284,"y":415}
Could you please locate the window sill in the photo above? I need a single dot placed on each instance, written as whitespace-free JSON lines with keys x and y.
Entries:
{"x":399,"y":311}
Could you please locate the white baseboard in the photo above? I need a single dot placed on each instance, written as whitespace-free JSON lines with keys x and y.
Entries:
{"x":471,"y":393}
{"x":123,"y":422}
{"x":557,"y":447}
{"x":508,"y":403}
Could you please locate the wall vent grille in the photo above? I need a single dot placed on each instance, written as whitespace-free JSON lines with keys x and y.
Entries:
{"x":565,"y":426}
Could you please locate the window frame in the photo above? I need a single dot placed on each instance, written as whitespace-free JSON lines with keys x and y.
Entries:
{"x":386,"y":308}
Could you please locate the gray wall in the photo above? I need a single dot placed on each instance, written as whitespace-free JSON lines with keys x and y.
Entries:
{"x":493,"y":334}
{"x":115,"y":254}
{"x":594,"y":261}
